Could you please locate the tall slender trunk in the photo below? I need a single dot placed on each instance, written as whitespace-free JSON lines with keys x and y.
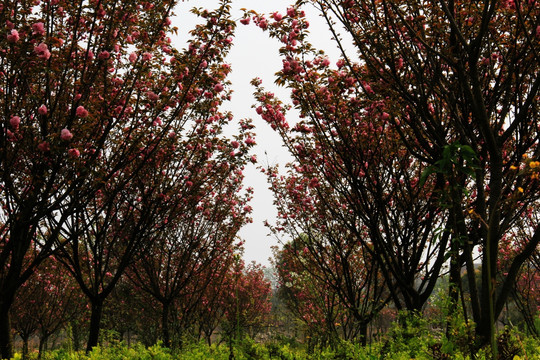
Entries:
{"x":165,"y":324}
{"x":454,"y":286}
{"x":363,"y":333}
{"x":42,"y":345}
{"x":6,"y":340}
{"x":25,"y":347}
{"x":76,"y":334}
{"x":95,"y":322}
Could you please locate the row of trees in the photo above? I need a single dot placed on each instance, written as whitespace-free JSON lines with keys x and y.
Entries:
{"x":111,"y":149}
{"x":220,"y":302}
{"x":416,"y":154}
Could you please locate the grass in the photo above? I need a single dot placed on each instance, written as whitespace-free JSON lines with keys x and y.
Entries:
{"x":398,"y":346}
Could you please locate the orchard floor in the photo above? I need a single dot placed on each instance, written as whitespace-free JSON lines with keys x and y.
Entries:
{"x":512,"y":347}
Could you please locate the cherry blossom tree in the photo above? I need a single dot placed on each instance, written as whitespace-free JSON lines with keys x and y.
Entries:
{"x":525,"y":295}
{"x":333,"y":279}
{"x":353,"y":184}
{"x":210,"y":308}
{"x":89,"y":90}
{"x":162,"y":183}
{"x":246,"y":299}
{"x":311,"y":300}
{"x":460,"y":82}
{"x":186,"y":256}
{"x":123,"y":311}
{"x":45,"y":303}
{"x":61,"y":301}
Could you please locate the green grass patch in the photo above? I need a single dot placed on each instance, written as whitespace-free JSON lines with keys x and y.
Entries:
{"x":403,"y":343}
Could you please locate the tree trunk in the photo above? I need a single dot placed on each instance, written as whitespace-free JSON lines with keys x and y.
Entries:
{"x":486,"y":328}
{"x":25,"y":347}
{"x":165,"y":325}
{"x":363,"y":333}
{"x":453,"y":286}
{"x":95,"y":321}
{"x":6,"y":340}
{"x":42,"y":345}
{"x":76,"y":334}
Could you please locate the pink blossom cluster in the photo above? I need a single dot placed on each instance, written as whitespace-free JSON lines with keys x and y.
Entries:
{"x":42,"y":51}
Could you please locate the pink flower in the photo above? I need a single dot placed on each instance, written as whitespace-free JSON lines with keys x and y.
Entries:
{"x":10,"y":136}
{"x":14,"y":122}
{"x":44,"y":146}
{"x":74,"y":153}
{"x":204,"y":64}
{"x":66,"y":135}
{"x":538,"y":31}
{"x":81,"y":112}
{"x":38,"y":29}
{"x":277,"y":16}
{"x":132,"y":57}
{"x":147,"y":56}
{"x":263,"y":23}
{"x":250,"y":141}
{"x":291,"y":12}
{"x":13,"y":36}
{"x":104,"y":55}
{"x":152,"y":96}
{"x":235,"y":144}
{"x":218,"y":87}
{"x":42,"y":110}
{"x":385,"y":116}
{"x":245,"y":21}
{"x":42,"y":51}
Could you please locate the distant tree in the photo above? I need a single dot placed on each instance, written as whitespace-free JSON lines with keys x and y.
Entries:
{"x":184,"y":258}
{"x":246,"y":300}
{"x":335,"y":293}
{"x":210,"y":310}
{"x":24,"y":312}
{"x":123,"y":310}
{"x":307,"y":296}
{"x":45,"y":304}
{"x":525,"y":295}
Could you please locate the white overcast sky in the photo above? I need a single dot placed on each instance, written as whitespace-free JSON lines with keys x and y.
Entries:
{"x":256,"y":55}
